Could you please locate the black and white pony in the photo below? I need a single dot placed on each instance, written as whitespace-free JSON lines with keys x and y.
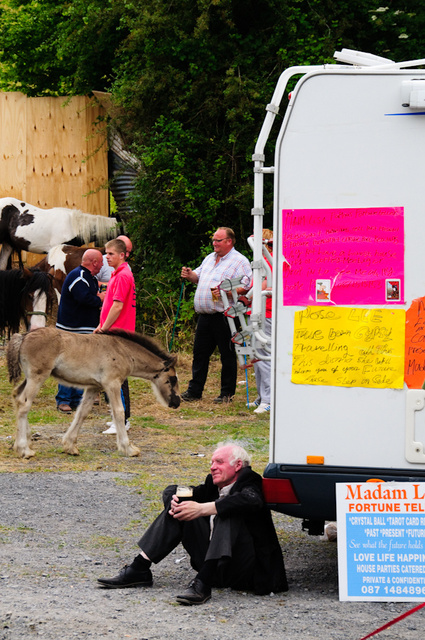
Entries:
{"x":24,"y":227}
{"x":25,"y":295}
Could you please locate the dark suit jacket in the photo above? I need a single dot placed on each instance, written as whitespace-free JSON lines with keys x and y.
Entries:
{"x":246,"y":501}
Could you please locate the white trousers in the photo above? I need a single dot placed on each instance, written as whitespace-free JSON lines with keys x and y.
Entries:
{"x":262,"y":369}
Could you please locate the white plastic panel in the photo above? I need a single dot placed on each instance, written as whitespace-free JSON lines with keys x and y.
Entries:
{"x":345,"y":143}
{"x":415,"y":402}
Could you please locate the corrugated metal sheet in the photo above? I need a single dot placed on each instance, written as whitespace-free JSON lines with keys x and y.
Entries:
{"x":123,"y":170}
{"x":123,"y":165}
{"x":122,"y":178}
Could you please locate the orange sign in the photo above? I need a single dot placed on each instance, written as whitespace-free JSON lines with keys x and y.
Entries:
{"x":414,"y":364}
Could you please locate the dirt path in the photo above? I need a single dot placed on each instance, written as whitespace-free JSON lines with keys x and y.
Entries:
{"x":60,"y":531}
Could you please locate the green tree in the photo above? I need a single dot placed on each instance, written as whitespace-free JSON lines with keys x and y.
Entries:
{"x":189,"y":80}
{"x":50,"y":47}
{"x":193,"y":92}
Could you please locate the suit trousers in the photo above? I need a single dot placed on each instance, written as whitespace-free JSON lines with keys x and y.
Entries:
{"x":230,"y":545}
{"x":213,"y":331}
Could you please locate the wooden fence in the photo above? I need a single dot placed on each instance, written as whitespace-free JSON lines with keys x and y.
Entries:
{"x":53,"y":153}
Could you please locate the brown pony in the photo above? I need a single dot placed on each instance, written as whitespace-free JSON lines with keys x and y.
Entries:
{"x":94,"y":361}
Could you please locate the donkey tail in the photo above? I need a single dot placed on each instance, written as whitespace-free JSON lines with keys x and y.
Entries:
{"x":13,"y":362}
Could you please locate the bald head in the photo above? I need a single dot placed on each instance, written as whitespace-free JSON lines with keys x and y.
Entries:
{"x":127,"y":242}
{"x":92,"y":260}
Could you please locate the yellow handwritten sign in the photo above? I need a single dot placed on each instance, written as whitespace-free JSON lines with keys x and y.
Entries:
{"x":349,"y":347}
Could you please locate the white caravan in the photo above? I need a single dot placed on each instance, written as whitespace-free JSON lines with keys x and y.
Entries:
{"x":348,"y":341}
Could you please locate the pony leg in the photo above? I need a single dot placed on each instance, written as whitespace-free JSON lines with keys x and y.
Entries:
{"x":38,"y":317}
{"x":123,"y":443}
{"x":69,"y":440}
{"x":24,"y":395}
{"x":5,"y":253}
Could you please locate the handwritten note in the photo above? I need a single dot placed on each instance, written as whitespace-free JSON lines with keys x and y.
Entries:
{"x":349,"y":347}
{"x":343,"y":256}
{"x":414,"y":374}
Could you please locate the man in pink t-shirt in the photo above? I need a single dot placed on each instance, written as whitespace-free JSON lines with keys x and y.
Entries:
{"x":119,"y":307}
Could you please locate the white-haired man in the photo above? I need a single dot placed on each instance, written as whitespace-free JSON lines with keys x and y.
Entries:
{"x":226,"y":528}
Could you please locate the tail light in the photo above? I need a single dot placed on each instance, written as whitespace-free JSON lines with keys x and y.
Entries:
{"x":279,"y":491}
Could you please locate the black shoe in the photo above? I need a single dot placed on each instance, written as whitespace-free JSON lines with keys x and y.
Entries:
{"x":188,"y":397}
{"x":128,"y":577}
{"x":196,"y":593}
{"x":223,"y":399}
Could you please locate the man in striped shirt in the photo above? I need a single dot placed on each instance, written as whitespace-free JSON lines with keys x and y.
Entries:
{"x":212,"y":329}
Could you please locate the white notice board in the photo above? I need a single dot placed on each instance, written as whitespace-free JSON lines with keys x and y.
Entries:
{"x":381,"y":541}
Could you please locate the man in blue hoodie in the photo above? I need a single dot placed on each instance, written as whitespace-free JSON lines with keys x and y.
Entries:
{"x":79,"y":311}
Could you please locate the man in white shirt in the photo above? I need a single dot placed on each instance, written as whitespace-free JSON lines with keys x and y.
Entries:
{"x":212,"y":329}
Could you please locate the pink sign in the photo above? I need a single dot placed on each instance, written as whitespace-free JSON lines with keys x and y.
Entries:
{"x":343,"y":256}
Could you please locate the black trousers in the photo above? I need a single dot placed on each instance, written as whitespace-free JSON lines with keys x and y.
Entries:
{"x":230,"y":545}
{"x":126,"y":393}
{"x":213,"y":331}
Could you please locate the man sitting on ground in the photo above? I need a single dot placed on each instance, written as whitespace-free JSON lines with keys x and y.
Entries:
{"x":226,"y":528}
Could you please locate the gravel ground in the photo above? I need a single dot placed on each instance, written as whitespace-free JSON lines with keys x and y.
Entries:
{"x":60,"y":531}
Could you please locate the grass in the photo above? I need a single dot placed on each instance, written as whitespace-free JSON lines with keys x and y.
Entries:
{"x":175,"y":445}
